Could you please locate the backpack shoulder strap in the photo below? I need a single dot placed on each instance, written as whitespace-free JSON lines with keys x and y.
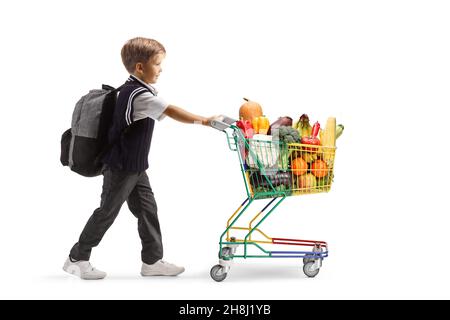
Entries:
{"x":108,"y":87}
{"x":108,"y":146}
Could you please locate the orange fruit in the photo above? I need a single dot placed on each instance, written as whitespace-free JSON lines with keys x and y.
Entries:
{"x":299,"y":166}
{"x":319,"y":168}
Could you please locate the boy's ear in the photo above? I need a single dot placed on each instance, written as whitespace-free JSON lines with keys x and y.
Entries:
{"x":139,"y":67}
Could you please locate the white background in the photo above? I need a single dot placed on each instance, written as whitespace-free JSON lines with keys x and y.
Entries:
{"x":381,"y":67}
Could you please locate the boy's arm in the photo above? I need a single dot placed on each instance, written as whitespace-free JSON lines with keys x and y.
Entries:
{"x":184,"y":116}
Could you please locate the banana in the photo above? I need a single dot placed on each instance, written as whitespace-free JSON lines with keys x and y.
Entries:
{"x":309,"y":157}
{"x":304,"y":127}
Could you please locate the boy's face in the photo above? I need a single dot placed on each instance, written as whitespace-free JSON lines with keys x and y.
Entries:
{"x":149,"y":71}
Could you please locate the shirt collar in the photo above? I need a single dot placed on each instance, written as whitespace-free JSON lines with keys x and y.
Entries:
{"x":149,"y":87}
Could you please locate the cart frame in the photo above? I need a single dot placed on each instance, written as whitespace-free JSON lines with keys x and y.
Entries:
{"x":312,"y":260}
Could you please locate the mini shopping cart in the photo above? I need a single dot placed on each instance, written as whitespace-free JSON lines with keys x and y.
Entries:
{"x":273,"y":170}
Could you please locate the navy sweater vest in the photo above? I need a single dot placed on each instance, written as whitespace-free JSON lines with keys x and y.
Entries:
{"x":130,"y":139}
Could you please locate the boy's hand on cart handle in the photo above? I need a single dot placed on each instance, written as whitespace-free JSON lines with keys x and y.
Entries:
{"x":207,"y":121}
{"x":185,"y":116}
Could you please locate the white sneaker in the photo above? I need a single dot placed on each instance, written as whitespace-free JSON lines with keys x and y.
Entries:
{"x":160,"y":268}
{"x":83,"y":269}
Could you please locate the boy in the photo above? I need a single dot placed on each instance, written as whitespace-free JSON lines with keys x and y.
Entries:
{"x":124,"y":176}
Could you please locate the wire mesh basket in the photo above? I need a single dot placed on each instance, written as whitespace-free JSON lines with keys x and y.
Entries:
{"x":274,"y":168}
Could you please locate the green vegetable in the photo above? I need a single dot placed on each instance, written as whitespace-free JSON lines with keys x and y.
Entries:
{"x":283,"y":163}
{"x":339,"y":130}
{"x":286,"y":135}
{"x":280,"y":188}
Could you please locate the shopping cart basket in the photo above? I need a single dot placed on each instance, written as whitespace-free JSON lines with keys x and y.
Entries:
{"x":272,"y":170}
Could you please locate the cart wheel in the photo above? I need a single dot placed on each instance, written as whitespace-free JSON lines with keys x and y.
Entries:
{"x":227,"y":252}
{"x":217,"y":273}
{"x":308,"y":269}
{"x":311,"y":257}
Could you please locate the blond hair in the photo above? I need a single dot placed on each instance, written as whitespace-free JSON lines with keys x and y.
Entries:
{"x":139,"y":50}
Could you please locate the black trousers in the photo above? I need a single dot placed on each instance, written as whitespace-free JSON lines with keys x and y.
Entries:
{"x":119,"y":187}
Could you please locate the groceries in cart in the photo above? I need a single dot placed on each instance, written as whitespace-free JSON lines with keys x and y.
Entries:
{"x":289,"y":157}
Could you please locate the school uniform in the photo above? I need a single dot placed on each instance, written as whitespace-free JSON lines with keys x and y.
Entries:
{"x":124,"y":175}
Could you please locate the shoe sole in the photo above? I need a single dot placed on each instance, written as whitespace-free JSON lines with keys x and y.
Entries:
{"x":160,"y":274}
{"x":75,"y":271}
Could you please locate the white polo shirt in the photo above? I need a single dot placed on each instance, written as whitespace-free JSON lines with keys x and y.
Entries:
{"x":148,"y":104}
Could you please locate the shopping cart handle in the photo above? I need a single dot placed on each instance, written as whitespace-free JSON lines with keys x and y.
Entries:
{"x":222,"y":122}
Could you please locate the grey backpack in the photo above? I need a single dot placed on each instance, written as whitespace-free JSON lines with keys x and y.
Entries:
{"x":84,"y":144}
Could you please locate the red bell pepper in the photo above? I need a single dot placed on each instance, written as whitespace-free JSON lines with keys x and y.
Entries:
{"x":313,"y":140}
{"x":246,"y":127}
